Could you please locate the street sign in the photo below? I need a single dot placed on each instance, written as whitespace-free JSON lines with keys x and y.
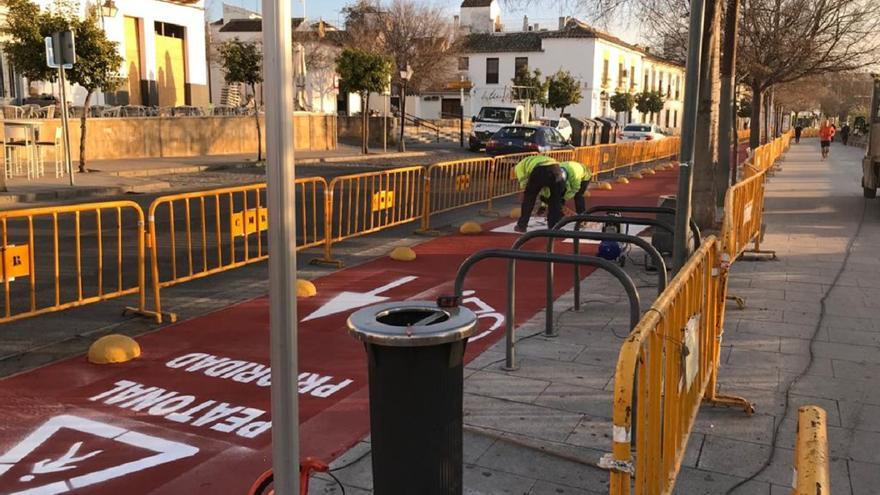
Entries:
{"x":60,"y":50}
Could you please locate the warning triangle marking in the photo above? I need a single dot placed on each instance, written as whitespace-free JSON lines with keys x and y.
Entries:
{"x":166,"y":451}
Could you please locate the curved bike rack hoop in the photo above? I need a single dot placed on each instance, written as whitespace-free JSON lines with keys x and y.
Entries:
{"x":695,"y":229}
{"x":513,"y":254}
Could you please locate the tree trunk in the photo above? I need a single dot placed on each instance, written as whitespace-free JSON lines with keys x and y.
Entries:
{"x":82,"y":131}
{"x":755,"y":119}
{"x":257,"y":120}
{"x":728,"y":144}
{"x":706,"y":136}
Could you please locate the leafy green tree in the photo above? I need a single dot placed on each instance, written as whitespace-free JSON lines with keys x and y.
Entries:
{"x":97,"y":58}
{"x":243,"y":64}
{"x":623,"y":102}
{"x":530,"y":86}
{"x":563,"y":90}
{"x":650,"y":102}
{"x":363,"y":73}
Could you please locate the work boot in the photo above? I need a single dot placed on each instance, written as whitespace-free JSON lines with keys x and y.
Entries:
{"x":520,"y":229}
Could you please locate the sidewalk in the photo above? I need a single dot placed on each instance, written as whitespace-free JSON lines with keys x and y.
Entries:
{"x":540,"y":430}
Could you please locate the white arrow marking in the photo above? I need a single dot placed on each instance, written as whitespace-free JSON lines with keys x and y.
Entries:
{"x":64,"y":462}
{"x":345,"y":300}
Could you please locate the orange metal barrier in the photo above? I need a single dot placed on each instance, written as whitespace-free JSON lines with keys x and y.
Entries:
{"x":359,"y":204}
{"x":811,"y":453}
{"x":196,"y":234}
{"x":504,"y":181}
{"x":450,"y":185}
{"x":743,"y":135}
{"x":61,"y":257}
{"x":664,"y":372}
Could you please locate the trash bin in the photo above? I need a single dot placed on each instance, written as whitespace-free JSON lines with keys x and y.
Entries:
{"x":594,"y":133}
{"x":578,"y":131}
{"x":415,"y":352}
{"x":609,"y":130}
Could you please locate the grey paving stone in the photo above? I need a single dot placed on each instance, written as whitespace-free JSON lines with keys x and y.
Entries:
{"x":534,"y":464}
{"x":548,"y":488}
{"x":699,"y":482}
{"x":480,"y":480}
{"x":718,"y":452}
{"x":865,"y":478}
{"x":574,"y":398}
{"x":525,"y":419}
{"x":504,"y":386}
{"x":563,"y":372}
{"x":735,"y":424}
{"x":594,"y":433}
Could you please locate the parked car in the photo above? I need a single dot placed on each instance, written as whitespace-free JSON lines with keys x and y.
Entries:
{"x":641,"y":132}
{"x":561,"y":124}
{"x":491,"y":119}
{"x":524,"y":139}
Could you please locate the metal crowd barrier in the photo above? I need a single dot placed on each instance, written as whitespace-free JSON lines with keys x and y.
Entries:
{"x":360,"y":204}
{"x":666,"y":366}
{"x":810,"y":475}
{"x":196,"y":234}
{"x":451,"y":185}
{"x":61,"y":257}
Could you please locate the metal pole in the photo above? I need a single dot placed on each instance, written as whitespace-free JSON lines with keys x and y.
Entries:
{"x":688,"y":131}
{"x":280,"y":171}
{"x":65,"y":126}
{"x":401,"y":146}
{"x":385,"y":123}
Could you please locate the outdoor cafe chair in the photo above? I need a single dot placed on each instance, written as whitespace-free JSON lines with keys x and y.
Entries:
{"x":58,"y":149}
{"x":17,"y":142}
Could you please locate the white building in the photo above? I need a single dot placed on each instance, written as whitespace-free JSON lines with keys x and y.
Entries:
{"x":162,"y":43}
{"x":320,"y":43}
{"x":603,"y":63}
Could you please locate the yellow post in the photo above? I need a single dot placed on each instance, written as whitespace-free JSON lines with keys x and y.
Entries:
{"x":811,"y":453}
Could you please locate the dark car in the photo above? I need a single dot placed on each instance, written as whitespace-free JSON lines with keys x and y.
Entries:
{"x":524,"y":139}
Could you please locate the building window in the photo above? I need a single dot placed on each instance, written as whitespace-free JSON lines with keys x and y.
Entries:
{"x":667,"y":118}
{"x":675,"y":119}
{"x":646,"y":87}
{"x":677,"y":88}
{"x":491,"y":71}
{"x":632,"y":77}
{"x":520,"y":65}
{"x":169,"y":30}
{"x":464,"y":63}
{"x":605,"y":72}
{"x":621,"y":75}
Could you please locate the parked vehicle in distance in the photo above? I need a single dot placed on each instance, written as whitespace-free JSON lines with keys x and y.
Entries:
{"x":561,"y":124}
{"x":525,"y":139}
{"x":491,"y":119}
{"x":641,"y":132}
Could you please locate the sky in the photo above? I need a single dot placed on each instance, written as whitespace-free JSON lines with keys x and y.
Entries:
{"x":545,"y":13}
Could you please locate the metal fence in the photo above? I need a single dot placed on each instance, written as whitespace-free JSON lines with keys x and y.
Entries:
{"x":62,"y":257}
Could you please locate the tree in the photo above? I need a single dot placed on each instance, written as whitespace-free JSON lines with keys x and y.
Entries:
{"x":649,"y":103}
{"x":623,"y":102}
{"x":530,"y":86}
{"x":744,"y":109}
{"x":243,"y":64}
{"x":97,"y":58}
{"x":788,"y":40}
{"x":363,"y":73}
{"x":563,"y":90}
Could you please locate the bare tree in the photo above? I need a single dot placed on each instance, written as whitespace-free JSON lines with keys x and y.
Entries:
{"x":787,"y":40}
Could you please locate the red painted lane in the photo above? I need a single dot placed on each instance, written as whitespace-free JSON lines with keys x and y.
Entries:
{"x":191,"y":415}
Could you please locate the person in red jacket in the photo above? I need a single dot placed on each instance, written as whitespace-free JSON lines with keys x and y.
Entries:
{"x":826,"y":134}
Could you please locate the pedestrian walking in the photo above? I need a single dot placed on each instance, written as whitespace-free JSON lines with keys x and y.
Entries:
{"x":844,"y":133}
{"x":798,"y":129}
{"x":535,"y":173}
{"x":826,"y":134}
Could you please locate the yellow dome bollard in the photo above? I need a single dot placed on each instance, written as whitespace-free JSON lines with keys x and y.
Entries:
{"x":515,"y":212}
{"x":661,"y":167}
{"x":114,"y":348}
{"x":635,"y":175}
{"x":604,"y":186}
{"x":649,"y":171}
{"x":469,"y":228}
{"x":402,"y":253}
{"x":305,"y":288}
{"x":622,"y":180}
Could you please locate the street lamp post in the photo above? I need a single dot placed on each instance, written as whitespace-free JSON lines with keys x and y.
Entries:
{"x":405,"y":75}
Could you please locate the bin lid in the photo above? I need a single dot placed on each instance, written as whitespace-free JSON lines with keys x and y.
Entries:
{"x":411,"y":324}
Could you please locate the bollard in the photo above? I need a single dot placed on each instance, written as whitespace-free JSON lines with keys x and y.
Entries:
{"x":415,"y":354}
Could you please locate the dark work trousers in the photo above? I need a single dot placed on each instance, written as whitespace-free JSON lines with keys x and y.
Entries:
{"x":580,"y":203}
{"x":549,"y":176}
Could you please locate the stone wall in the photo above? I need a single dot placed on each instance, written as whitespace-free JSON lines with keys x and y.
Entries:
{"x":156,"y":137}
{"x":350,"y":130}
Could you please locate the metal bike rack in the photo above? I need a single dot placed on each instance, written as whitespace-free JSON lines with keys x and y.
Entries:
{"x":695,"y":229}
{"x":513,"y":254}
{"x":577,"y":236}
